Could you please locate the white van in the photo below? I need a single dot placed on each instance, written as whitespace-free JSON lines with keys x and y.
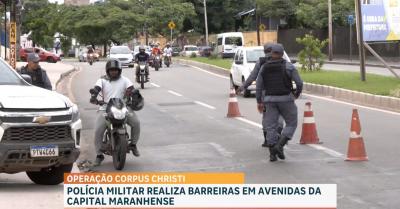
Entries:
{"x":227,"y":43}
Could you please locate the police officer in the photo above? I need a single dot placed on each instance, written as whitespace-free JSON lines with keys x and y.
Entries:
{"x":252,"y":77}
{"x":275,"y":79}
{"x":33,"y":69}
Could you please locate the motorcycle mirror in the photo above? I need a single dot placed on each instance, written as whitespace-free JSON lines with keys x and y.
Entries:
{"x":92,"y":91}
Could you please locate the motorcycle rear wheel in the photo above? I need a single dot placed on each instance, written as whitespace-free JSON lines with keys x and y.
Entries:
{"x":119,"y":154}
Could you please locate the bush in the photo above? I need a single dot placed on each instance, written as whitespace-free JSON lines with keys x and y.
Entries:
{"x":311,"y":58}
{"x":193,"y":55}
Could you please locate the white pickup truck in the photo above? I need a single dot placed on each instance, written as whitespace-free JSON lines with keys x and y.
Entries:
{"x":39,"y":129}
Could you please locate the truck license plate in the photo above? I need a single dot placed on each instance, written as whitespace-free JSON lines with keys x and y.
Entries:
{"x":44,"y":151}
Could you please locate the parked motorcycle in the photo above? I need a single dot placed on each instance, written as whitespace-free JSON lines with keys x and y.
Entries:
{"x":115,"y":137}
{"x":141,"y":76}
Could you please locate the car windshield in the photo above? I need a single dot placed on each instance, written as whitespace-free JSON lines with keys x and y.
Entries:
{"x":120,"y":50}
{"x":233,"y":41}
{"x":7,"y":76}
{"x":191,"y":49}
{"x":254,"y":55}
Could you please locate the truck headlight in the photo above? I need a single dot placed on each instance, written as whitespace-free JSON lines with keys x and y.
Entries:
{"x":75,"y":113}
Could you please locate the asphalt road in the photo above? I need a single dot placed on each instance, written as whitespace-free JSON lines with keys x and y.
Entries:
{"x":185,"y":128}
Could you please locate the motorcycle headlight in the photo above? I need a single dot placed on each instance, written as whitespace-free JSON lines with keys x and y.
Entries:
{"x":142,"y":67}
{"x":119,"y":114}
{"x":75,"y":113}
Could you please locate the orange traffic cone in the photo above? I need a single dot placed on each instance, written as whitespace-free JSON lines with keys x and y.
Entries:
{"x":309,"y":132}
{"x":356,"y":149}
{"x":233,"y":106}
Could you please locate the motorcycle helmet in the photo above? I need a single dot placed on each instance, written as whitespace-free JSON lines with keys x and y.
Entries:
{"x":142,"y":49}
{"x":135,"y":101}
{"x":113,"y":64}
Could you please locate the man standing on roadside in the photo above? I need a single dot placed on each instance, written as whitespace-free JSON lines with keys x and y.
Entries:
{"x":38,"y":75}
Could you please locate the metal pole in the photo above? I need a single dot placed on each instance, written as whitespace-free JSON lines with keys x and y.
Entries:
{"x":360,"y":40}
{"x":205,"y":21}
{"x":5,"y":30}
{"x":350,"y":45}
{"x":257,"y":26}
{"x":381,"y":59}
{"x":330,"y":29}
{"x":171,"y":35}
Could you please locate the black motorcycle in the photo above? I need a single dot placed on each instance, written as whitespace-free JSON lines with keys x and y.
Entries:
{"x":115,"y":137}
{"x":142,"y":66}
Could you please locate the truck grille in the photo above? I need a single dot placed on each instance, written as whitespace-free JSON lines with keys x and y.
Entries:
{"x":38,"y":133}
{"x":57,"y":118}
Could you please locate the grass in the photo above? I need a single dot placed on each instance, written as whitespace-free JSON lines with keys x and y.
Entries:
{"x":375,"y":84}
{"x":224,"y":63}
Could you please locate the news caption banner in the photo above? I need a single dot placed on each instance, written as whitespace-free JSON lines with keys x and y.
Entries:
{"x":190,"y":190}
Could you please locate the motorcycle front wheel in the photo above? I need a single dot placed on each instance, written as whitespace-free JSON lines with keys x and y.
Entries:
{"x":119,"y":153}
{"x":142,"y":81}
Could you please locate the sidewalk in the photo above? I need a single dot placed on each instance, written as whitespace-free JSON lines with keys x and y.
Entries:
{"x":54,"y":70}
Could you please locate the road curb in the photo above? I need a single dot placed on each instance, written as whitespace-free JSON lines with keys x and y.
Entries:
{"x":64,"y":75}
{"x":355,"y":97}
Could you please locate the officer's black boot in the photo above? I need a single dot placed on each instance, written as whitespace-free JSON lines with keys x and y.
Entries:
{"x":279,"y":146}
{"x":272,"y":154}
{"x":265,"y":144}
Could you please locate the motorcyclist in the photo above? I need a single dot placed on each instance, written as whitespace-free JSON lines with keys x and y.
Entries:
{"x":168,"y":52}
{"x":114,"y":85}
{"x":156,"y":51}
{"x":142,"y":56}
{"x":90,"y":52}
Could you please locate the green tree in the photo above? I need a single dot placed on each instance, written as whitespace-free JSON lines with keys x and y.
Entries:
{"x":311,"y":58}
{"x":276,"y":8}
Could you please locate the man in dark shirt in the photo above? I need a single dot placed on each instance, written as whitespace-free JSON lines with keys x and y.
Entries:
{"x":38,"y":75}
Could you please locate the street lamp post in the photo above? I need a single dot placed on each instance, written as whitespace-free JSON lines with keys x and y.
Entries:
{"x":205,"y":21}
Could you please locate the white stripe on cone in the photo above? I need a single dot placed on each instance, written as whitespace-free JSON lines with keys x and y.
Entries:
{"x":308,"y":120}
{"x":353,"y":134}
{"x":233,"y":99}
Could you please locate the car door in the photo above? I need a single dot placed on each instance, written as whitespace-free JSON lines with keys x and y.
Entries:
{"x":234,"y":69}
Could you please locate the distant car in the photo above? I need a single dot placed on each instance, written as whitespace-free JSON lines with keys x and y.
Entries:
{"x":189,"y":49}
{"x":205,"y":51}
{"x":71,"y":53}
{"x":44,"y":55}
{"x":123,"y":54}
{"x":243,"y":64}
{"x":175,"y":51}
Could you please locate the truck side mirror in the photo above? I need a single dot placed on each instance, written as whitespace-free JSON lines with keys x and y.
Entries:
{"x":27,"y":78}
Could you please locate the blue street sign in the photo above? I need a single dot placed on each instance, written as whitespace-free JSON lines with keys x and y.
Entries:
{"x":350,"y":19}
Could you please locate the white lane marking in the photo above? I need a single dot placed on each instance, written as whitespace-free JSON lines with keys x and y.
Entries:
{"x":354,"y":105}
{"x":175,"y":93}
{"x":153,"y":84}
{"x":205,"y":71}
{"x":205,"y":105}
{"x":328,"y":151}
{"x":249,"y":122}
